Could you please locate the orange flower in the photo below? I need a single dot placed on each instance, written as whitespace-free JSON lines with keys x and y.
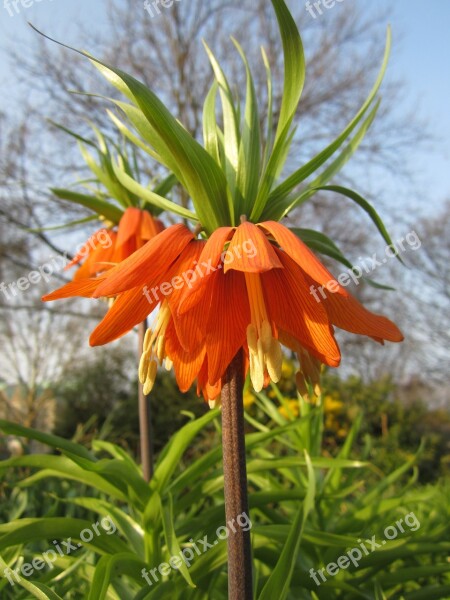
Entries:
{"x":262,"y":299}
{"x":232,"y":299}
{"x":106,"y":247}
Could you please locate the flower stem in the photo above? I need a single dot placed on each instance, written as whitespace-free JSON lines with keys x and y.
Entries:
{"x":145,"y":423}
{"x":235,"y":481}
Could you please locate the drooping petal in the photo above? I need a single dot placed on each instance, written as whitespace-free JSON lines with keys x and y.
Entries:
{"x":302,"y":255}
{"x":349,"y":314}
{"x":229,"y":317}
{"x":129,"y":309}
{"x":186,"y":365}
{"x":100,"y":259}
{"x":129,"y":225}
{"x":147,"y":264}
{"x":295,"y":311}
{"x":190,"y":326}
{"x":209,"y":392}
{"x":208,"y":263}
{"x":149,"y":226}
{"x":250,"y":251}
{"x":87,"y":248}
{"x":84,"y":288}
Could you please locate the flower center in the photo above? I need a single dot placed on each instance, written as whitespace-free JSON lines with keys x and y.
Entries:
{"x":264,"y":349}
{"x":153,"y":353}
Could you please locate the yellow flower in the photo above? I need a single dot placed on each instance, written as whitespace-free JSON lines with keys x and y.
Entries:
{"x":332,"y":405}
{"x":249,"y":398}
{"x":290,"y":410}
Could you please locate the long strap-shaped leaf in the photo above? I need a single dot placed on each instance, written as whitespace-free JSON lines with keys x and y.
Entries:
{"x":277,"y":210}
{"x":368,"y":208}
{"x":249,"y":148}
{"x":294,"y":66}
{"x":310,"y":167}
{"x":205,"y":181}
{"x":294,"y":79}
{"x":277,"y":586}
{"x":101,"y":207}
{"x":150,"y":196}
{"x":38,"y":590}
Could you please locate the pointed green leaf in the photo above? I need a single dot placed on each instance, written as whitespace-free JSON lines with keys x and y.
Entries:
{"x":301,"y":174}
{"x":204,"y":180}
{"x":210,"y":137}
{"x":294,"y":66}
{"x":101,"y":207}
{"x":150,"y":196}
{"x":368,"y":208}
{"x":171,"y":539}
{"x":249,"y":149}
{"x":278,"y":584}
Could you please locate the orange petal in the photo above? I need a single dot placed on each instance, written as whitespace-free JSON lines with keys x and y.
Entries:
{"x":184,"y":272}
{"x":301,"y":254}
{"x":149,"y":226}
{"x":207,"y":263}
{"x":148,"y":264}
{"x":83,"y":251}
{"x":129,"y":309}
{"x":83,"y":288}
{"x":190,"y":326}
{"x":295,"y":311}
{"x":208,"y":391}
{"x":229,"y":317}
{"x":250,"y":251}
{"x":129,"y":225}
{"x":349,"y":314}
{"x":98,"y":260}
{"x":186,"y":365}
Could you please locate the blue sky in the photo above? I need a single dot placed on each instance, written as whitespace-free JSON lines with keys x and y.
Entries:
{"x":420,"y":57}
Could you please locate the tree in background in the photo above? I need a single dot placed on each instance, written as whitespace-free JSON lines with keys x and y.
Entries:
{"x":168,"y":50}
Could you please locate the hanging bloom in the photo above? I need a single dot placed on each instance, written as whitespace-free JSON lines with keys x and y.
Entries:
{"x":248,"y":287}
{"x":263,"y":299}
{"x":245,"y":287}
{"x":107,"y":247}
{"x":138,"y":293}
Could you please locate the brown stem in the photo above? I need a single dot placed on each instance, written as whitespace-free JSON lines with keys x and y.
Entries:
{"x":235,"y":481}
{"x":145,"y":423}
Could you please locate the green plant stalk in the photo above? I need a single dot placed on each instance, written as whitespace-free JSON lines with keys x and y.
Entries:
{"x":145,"y":421}
{"x":235,"y":480}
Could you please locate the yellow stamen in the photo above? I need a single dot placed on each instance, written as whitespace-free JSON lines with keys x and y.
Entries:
{"x":151,"y":376}
{"x":216,"y":403}
{"x":264,"y":348}
{"x":154,"y":350}
{"x":274,"y":361}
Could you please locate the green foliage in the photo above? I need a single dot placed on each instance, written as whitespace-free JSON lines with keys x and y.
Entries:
{"x":98,"y":399}
{"x":394,"y":425}
{"x":238,"y":169}
{"x":307,"y":509}
{"x":393,"y":421}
